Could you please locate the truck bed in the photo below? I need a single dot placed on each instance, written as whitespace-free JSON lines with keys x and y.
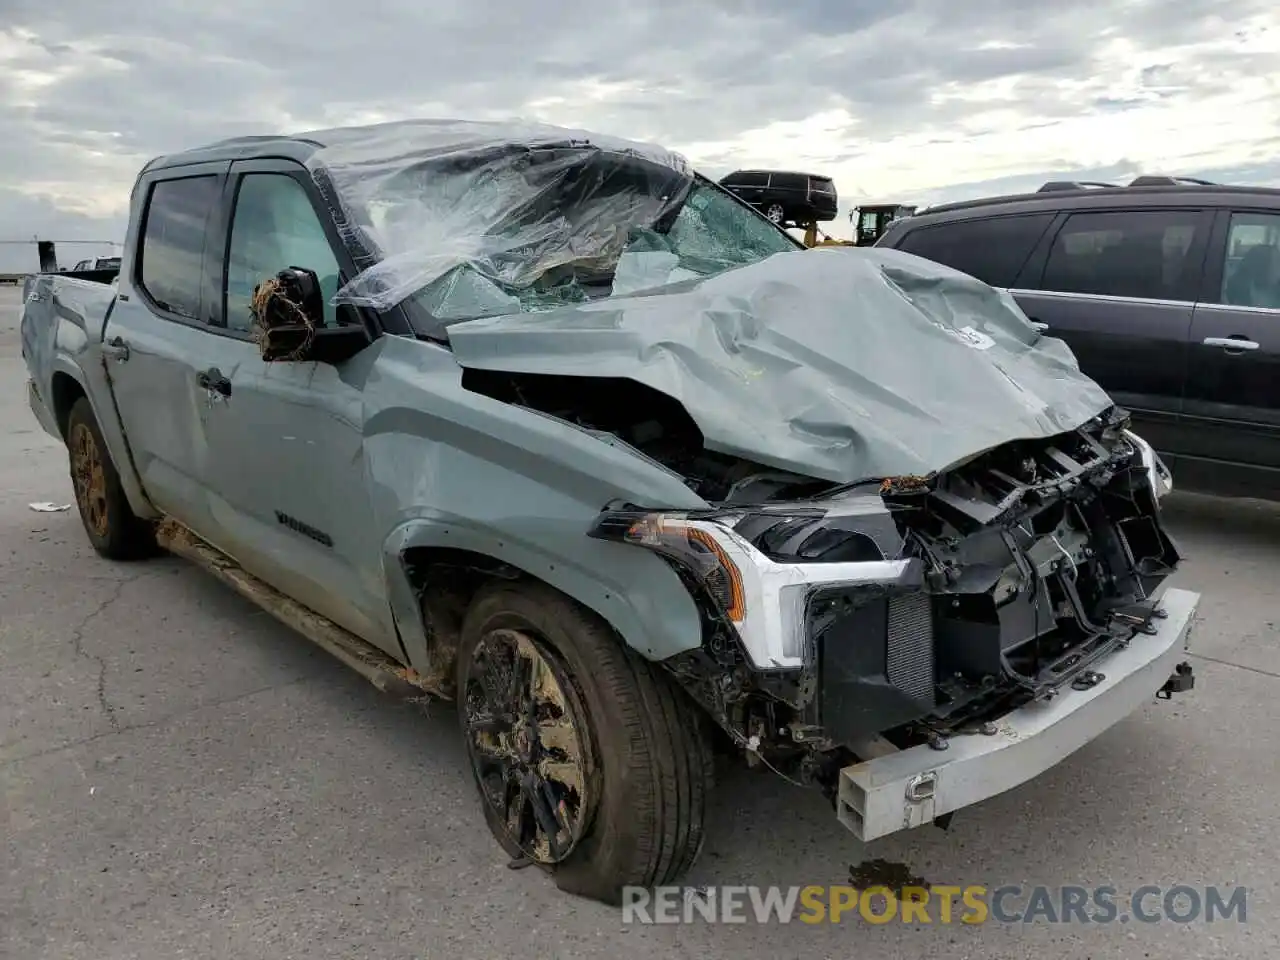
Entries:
{"x":62,"y":310}
{"x":62,"y":322}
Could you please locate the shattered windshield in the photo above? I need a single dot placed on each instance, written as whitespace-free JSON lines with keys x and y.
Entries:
{"x":628,"y":248}
{"x":495,"y":229}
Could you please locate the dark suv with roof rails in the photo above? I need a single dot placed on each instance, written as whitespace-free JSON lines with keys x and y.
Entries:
{"x":785,"y":197}
{"x":1168,"y":292}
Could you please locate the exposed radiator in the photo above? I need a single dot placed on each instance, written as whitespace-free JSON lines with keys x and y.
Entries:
{"x":909,"y":654}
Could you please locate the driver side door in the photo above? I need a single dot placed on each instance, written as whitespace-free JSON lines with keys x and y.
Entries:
{"x":286,"y":439}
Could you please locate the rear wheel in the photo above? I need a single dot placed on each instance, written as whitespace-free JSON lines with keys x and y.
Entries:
{"x":775,"y":213}
{"x":114,"y":530}
{"x":590,"y":762}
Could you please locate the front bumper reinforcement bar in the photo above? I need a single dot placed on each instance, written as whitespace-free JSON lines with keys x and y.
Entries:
{"x":914,"y":787}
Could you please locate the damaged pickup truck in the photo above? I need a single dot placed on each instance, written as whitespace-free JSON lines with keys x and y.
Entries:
{"x":552,"y":426}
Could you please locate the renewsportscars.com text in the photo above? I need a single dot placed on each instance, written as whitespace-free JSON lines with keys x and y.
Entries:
{"x":937,"y":904}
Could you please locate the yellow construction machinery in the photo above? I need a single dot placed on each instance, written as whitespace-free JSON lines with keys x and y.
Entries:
{"x":869,"y":222}
{"x":814,"y":237}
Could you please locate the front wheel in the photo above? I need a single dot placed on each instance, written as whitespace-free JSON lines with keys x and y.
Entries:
{"x":590,"y":762}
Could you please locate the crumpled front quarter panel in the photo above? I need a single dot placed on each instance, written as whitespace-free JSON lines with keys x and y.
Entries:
{"x":451,"y":469}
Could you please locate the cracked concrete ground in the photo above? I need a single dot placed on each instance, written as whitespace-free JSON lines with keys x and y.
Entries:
{"x":182,"y":777}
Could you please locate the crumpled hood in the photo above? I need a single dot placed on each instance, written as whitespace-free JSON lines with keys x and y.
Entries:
{"x":837,"y":363}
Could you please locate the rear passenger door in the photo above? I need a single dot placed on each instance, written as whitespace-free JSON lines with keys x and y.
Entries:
{"x":158,"y":327}
{"x":1118,"y":286}
{"x":790,"y":191}
{"x":1233,"y":388}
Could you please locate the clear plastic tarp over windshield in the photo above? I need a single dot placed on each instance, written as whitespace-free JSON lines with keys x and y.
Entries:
{"x":475,"y":219}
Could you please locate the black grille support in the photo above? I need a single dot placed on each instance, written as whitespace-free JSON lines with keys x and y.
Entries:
{"x":876,"y":661}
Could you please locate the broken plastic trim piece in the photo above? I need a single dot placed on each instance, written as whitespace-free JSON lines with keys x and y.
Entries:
{"x":763,"y":601}
{"x":1180,"y":681}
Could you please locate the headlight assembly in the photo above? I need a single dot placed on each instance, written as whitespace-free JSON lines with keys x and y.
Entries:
{"x":763,"y":599}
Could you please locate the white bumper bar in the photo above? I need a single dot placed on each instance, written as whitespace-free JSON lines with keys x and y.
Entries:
{"x":910,"y":788}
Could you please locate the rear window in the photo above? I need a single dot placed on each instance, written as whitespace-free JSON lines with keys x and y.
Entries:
{"x":993,"y":250}
{"x":821,"y":185}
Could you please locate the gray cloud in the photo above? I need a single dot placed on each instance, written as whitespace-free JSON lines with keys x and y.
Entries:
{"x":22,"y":218}
{"x":121,"y":83}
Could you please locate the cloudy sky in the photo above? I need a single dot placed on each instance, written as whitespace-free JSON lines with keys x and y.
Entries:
{"x":917,"y":101}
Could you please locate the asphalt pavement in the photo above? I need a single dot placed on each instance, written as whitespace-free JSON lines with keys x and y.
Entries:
{"x":182,"y":777}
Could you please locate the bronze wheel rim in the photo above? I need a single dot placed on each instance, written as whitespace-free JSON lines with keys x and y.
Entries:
{"x":528,"y":745}
{"x":89,"y":478}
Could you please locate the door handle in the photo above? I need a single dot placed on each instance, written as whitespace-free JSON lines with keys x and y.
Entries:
{"x":116,"y":349}
{"x":214,"y":379}
{"x":1232,"y":344}
{"x":1042,"y":327}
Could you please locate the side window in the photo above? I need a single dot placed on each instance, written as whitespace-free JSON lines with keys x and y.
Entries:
{"x":712,"y":227}
{"x":747,"y":179}
{"x":1136,"y":253}
{"x":274,"y":226}
{"x":993,"y":250}
{"x":789,"y":181}
{"x":171,"y":261}
{"x":1251,"y":273}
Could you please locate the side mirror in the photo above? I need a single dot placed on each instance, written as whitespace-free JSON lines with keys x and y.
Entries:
{"x":289,"y":311}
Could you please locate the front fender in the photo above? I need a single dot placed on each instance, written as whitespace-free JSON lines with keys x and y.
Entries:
{"x":633,"y":590}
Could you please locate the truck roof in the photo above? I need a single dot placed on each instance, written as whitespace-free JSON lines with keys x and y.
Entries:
{"x":426,"y":136}
{"x":296,"y":147}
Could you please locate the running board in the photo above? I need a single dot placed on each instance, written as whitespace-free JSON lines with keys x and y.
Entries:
{"x":365,"y":659}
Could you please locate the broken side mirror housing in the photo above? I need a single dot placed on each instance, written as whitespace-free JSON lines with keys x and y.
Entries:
{"x":289,"y":309}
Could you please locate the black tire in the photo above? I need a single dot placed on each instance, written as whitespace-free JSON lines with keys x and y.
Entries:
{"x":776,"y":213}
{"x":651,"y":764}
{"x":110,"y":523}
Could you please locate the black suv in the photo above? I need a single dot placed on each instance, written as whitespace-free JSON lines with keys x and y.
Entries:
{"x":1168,"y":292}
{"x":784,"y":197}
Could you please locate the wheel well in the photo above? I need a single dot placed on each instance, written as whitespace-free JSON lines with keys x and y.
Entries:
{"x":454,"y":577}
{"x":66,"y":391}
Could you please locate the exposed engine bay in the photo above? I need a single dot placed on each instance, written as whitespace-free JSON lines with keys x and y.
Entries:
{"x":654,"y":424}
{"x":1022,"y":569}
